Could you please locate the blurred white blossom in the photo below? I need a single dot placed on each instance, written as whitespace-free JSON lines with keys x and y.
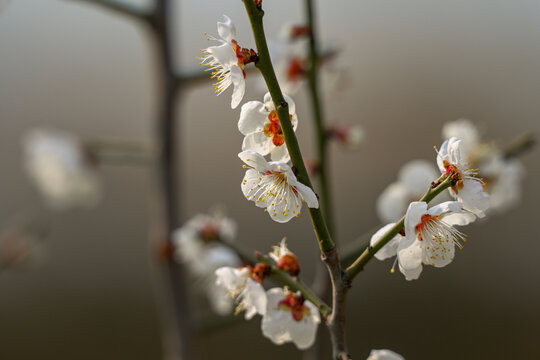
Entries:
{"x":414,"y":178}
{"x":260,"y":124}
{"x":61,"y":170}
{"x":197,"y":245}
{"x":240,"y":285}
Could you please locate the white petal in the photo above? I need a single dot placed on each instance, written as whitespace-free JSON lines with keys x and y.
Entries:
{"x":239,"y":83}
{"x":274,"y":324}
{"x":280,"y":153}
{"x":254,"y":160}
{"x":393,"y":202}
{"x":446,"y":207}
{"x":384,"y":354}
{"x":439,"y":252}
{"x":281,"y":207}
{"x":473,"y":197}
{"x":460,"y":219}
{"x":303,"y":332}
{"x":258,"y":142}
{"x":253,"y":117}
{"x":308,"y":195}
{"x":224,"y":54}
{"x":226,"y":29}
{"x":462,"y":129}
{"x":388,"y":250}
{"x":254,"y":298}
{"x":413,"y":217}
{"x":410,"y":258}
{"x":219,"y":299}
{"x":417,"y":175}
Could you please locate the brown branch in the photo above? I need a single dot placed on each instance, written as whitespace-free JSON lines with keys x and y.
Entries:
{"x":123,"y":9}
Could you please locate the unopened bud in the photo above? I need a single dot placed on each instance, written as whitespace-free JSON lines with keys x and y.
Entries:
{"x":289,"y":264}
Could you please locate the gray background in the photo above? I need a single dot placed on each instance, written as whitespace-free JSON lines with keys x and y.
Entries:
{"x":413,"y":66}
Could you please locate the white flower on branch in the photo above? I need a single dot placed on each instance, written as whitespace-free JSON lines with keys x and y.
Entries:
{"x":260,"y":125}
{"x":285,"y":259}
{"x":384,"y":354}
{"x":290,"y":318}
{"x":467,"y":188}
{"x":226,"y":61}
{"x":414,"y":179}
{"x":61,"y":170}
{"x":241,"y":284}
{"x":196,"y":246}
{"x":430,"y":237}
{"x":388,"y":250}
{"x":501,"y":177}
{"x":273,"y":185}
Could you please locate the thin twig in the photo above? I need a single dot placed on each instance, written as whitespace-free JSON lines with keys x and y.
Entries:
{"x":123,"y":9}
{"x":444,"y":182}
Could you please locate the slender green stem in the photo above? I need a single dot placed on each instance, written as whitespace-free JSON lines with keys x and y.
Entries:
{"x":264,"y":65}
{"x":444,"y":183}
{"x":519,"y":146}
{"x":318,"y":117}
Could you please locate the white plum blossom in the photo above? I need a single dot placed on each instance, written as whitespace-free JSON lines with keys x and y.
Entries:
{"x":464,"y":130}
{"x":350,"y":136}
{"x":466,"y":188}
{"x":430,"y":237}
{"x":502,"y":180}
{"x":285,"y":259}
{"x":290,"y":318}
{"x":273,"y":185}
{"x":384,"y":354}
{"x":239,"y":285}
{"x":196,"y":246}
{"x":260,"y":124}
{"x":388,"y":250}
{"x":414,"y":179}
{"x":61,"y":170}
{"x":226,"y":61}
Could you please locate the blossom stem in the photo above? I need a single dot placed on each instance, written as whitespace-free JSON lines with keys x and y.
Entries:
{"x":519,"y":146}
{"x":295,"y":284}
{"x":340,"y":285}
{"x":443,"y":183}
{"x":264,"y":65}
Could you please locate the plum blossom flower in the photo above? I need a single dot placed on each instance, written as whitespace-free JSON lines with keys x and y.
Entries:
{"x":464,"y":130}
{"x":502,"y":180}
{"x":196,"y":246}
{"x":388,"y":250}
{"x":290,"y":318}
{"x":430,"y":237}
{"x":227,"y":61}
{"x":413,"y":179}
{"x":240,"y":285}
{"x":285,"y":259}
{"x":260,"y":125}
{"x":273,"y":185}
{"x":61,"y":170}
{"x":384,"y":354}
{"x":466,"y":188}
{"x":350,"y":136}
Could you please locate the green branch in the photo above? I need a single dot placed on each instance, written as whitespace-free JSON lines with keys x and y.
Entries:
{"x":264,"y":65}
{"x":444,"y":183}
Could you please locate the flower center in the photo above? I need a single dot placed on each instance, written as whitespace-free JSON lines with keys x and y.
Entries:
{"x":426,"y":222}
{"x":295,"y":304}
{"x":455,"y":174}
{"x":209,"y":233}
{"x":295,"y":70}
{"x":273,"y":129}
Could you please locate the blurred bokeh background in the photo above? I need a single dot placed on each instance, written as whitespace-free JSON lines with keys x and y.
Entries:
{"x":412,"y":66}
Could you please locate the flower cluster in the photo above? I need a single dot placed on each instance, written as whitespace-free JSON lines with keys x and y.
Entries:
{"x":501,"y":175}
{"x":286,"y":315}
{"x":199,"y":245}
